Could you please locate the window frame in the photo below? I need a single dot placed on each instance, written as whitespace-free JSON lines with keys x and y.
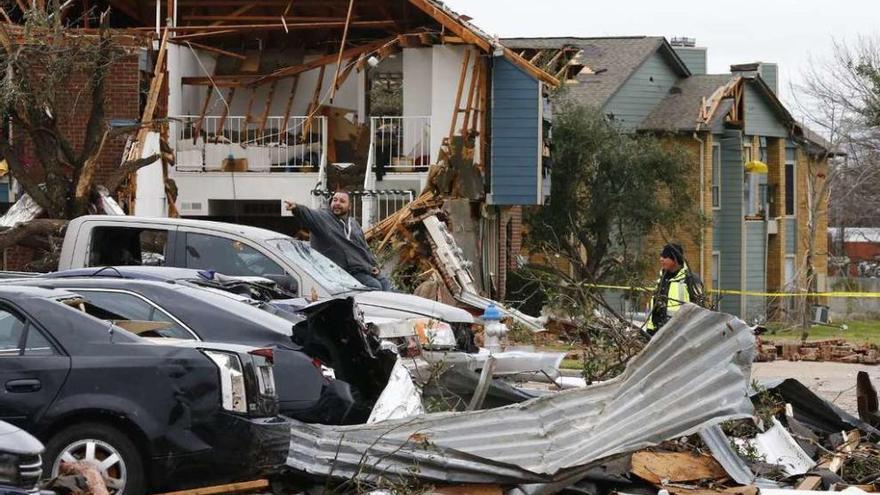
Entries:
{"x":793,"y":187}
{"x":25,"y":334}
{"x":716,"y":176}
{"x":85,"y":290}
{"x":716,"y":268}
{"x":183,"y":256}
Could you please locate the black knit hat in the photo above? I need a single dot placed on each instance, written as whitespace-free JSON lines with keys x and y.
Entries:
{"x":673,"y":251}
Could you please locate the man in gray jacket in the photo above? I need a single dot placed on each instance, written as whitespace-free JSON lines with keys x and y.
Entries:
{"x":338,"y":236}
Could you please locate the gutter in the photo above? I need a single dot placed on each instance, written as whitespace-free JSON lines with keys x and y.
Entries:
{"x":702,"y":204}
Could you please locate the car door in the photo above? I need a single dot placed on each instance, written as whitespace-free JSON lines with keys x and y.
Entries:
{"x":32,"y":369}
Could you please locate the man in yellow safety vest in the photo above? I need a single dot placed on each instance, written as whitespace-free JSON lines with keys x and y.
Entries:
{"x":673,"y":287}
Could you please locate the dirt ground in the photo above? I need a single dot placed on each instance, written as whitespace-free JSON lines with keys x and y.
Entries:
{"x":833,"y":381}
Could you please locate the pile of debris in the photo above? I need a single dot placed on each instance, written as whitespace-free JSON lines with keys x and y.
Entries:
{"x":836,"y":350}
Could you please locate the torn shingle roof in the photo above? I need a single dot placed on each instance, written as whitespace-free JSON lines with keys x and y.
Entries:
{"x":680,"y":110}
{"x":612,"y":61}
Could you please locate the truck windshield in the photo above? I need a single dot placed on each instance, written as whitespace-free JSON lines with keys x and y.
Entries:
{"x":327,"y":273}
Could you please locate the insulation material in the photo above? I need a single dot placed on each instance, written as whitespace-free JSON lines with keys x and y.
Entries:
{"x":777,"y":446}
{"x":696,"y":370}
{"x":24,"y":210}
{"x":400,"y":399}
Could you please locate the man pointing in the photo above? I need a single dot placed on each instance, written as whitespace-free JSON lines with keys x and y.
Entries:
{"x":338,"y":236}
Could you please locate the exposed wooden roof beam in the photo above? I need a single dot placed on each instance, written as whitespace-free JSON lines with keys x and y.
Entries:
{"x":274,"y":26}
{"x":219,"y":19}
{"x":246,"y":79}
{"x":212,"y":49}
{"x":451,"y":24}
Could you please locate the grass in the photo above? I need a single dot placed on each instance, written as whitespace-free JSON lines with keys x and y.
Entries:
{"x":572,"y":364}
{"x":857,"y":332}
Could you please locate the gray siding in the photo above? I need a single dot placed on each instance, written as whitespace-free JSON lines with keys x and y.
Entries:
{"x":770,"y":75}
{"x":790,"y":236}
{"x":516,"y":136}
{"x":693,"y":57}
{"x":756,"y":269}
{"x":728,"y":221}
{"x":761,"y":120}
{"x":642,"y":92}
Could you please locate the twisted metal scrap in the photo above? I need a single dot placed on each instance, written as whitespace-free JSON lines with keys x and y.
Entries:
{"x":694,"y":373}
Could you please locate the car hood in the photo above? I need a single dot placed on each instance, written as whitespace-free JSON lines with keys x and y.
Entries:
{"x":14,"y":440}
{"x":405,"y":306}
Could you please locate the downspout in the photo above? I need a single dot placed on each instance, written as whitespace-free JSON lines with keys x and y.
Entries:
{"x":702,"y":204}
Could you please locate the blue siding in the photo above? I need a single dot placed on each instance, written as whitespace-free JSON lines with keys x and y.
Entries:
{"x":516,"y":136}
{"x":728,"y":221}
{"x":790,"y":236}
{"x":642,"y":92}
{"x":761,"y":119}
{"x":756,"y":269}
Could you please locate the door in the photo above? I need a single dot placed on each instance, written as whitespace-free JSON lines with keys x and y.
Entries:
{"x":32,"y":370}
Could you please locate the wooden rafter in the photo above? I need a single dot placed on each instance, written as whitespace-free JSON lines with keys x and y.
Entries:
{"x":461,"y":78}
{"x":234,"y":16}
{"x":341,"y":49}
{"x":212,"y":49}
{"x":289,"y":107}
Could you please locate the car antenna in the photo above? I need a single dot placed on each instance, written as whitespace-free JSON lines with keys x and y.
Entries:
{"x":99,"y":270}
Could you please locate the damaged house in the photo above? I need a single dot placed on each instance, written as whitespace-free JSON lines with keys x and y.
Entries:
{"x":750,"y":156}
{"x":270,"y":101}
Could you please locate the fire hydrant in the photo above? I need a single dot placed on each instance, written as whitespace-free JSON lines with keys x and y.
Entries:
{"x":493,"y":329}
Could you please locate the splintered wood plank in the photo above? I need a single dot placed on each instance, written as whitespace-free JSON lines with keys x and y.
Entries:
{"x":265,"y":117}
{"x":469,"y":108}
{"x":675,"y":467}
{"x":243,"y":487}
{"x":289,"y":107}
{"x":461,"y":78}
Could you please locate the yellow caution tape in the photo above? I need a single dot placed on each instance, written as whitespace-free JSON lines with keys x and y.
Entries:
{"x":751,"y":293}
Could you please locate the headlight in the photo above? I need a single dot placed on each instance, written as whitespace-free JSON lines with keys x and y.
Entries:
{"x":263,"y":368}
{"x":434,"y":333}
{"x":8,"y":468}
{"x":231,"y":380}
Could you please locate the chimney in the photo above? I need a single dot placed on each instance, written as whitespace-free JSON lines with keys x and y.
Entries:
{"x":694,"y":57}
{"x":769,"y":72}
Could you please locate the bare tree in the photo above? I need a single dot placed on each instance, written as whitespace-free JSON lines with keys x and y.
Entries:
{"x":41,"y":62}
{"x":840,"y":97}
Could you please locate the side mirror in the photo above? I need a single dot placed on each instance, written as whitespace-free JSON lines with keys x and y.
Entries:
{"x":286,"y":282}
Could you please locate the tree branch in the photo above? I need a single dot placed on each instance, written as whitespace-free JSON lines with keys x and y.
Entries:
{"x":120,"y":174}
{"x":95,"y":126}
{"x":22,"y":231}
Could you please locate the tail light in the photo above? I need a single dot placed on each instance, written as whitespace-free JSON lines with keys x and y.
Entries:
{"x":267,"y":353}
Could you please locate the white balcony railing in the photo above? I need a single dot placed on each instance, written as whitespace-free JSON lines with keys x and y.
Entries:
{"x":401,"y":144}
{"x":281,"y":144}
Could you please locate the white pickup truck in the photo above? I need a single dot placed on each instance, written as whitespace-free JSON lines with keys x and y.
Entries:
{"x":236,"y":250}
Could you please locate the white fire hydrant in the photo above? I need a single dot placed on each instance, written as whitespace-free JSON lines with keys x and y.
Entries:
{"x":493,"y":329}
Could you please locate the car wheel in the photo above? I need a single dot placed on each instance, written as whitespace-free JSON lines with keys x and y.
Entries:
{"x":109,"y":450}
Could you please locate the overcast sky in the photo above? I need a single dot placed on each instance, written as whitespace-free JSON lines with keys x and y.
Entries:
{"x":787,"y":32}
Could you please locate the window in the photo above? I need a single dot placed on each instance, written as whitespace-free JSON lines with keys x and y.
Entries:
{"x":790,"y":273}
{"x":12,"y":332}
{"x":37,"y":344}
{"x":716,"y":176}
{"x":124,"y":246}
{"x":121,"y":306}
{"x":754,"y":188}
{"x":227,"y":256}
{"x":18,"y":338}
{"x":716,"y":269}
{"x":790,"y":183}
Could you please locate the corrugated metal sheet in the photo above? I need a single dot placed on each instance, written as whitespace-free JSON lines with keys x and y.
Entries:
{"x":694,"y":373}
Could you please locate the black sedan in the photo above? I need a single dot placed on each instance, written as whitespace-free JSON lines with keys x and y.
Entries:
{"x":149,"y":416}
{"x":331,"y":339}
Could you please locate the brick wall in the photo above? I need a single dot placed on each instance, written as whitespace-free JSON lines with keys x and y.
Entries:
{"x":776,"y":242}
{"x":122,"y":92}
{"x":509,"y":244}
{"x":689,"y":234}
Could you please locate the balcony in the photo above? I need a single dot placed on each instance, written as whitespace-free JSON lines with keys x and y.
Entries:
{"x":235,"y":144}
{"x":400,"y":144}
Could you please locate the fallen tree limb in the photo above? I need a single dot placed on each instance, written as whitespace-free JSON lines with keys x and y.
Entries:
{"x":121,"y":174}
{"x":22,"y":231}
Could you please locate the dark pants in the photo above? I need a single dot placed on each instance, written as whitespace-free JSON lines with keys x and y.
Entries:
{"x":375,"y":282}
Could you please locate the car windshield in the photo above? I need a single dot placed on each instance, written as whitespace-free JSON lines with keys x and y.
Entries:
{"x":327,"y":273}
